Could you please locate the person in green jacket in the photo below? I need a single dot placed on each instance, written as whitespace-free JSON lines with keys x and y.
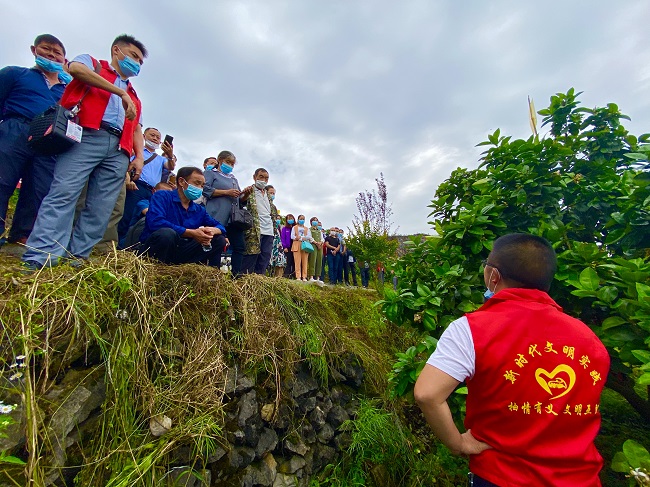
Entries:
{"x":315,"y":262}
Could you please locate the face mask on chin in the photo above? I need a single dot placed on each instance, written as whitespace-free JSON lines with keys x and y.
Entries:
{"x":152,"y":146}
{"x":48,"y":65}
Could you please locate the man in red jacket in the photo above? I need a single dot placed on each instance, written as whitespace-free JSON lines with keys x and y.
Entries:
{"x":534,"y":377}
{"x":111,"y":116}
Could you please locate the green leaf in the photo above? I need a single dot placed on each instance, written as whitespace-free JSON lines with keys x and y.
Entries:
{"x":589,"y":279}
{"x":11,"y":460}
{"x":612,"y":322}
{"x":642,"y":355}
{"x":619,"y":463}
{"x":644,"y":380}
{"x":642,"y":290}
{"x":635,"y":452}
{"x":423,"y":290}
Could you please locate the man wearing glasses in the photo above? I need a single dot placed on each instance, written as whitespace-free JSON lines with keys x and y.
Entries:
{"x":534,"y":377}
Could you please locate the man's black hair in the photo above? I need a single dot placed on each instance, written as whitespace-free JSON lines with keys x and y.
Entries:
{"x":49,"y":38}
{"x":269,"y":186}
{"x":208,"y":158}
{"x":127,"y":39}
{"x":259,"y":170}
{"x":225,"y":154}
{"x":150,"y":128}
{"x":524,"y":260}
{"x":187,"y":171}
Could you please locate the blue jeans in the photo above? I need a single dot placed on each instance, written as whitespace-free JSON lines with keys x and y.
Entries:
{"x":97,"y":160}
{"x":18,"y":160}
{"x":331,"y":268}
{"x":365,"y":276}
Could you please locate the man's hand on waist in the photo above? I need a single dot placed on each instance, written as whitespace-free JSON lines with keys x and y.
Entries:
{"x":469,"y":445}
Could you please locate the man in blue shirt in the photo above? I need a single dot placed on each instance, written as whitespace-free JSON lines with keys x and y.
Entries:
{"x":151,"y":175}
{"x":177,"y":230}
{"x":25,"y":93}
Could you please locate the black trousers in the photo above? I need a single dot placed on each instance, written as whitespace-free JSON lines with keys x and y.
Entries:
{"x":237,"y":241}
{"x":168,"y":247}
{"x":257,"y":263}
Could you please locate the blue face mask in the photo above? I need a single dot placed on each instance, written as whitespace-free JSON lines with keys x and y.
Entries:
{"x":272,"y":196}
{"x":340,"y":235}
{"x":226,"y":168}
{"x":65,"y":77}
{"x":489,"y":293}
{"x":48,"y":65}
{"x":314,"y":224}
{"x":278,"y":222}
{"x":193,"y":192}
{"x":301,"y":221}
{"x":128,"y":66}
{"x":209,"y":167}
{"x":320,"y":227}
{"x":290,"y":222}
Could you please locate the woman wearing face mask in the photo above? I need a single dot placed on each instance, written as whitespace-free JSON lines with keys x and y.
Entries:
{"x":221,"y":192}
{"x":278,"y":257}
{"x":315,"y":259}
{"x":285,"y":238}
{"x":299,"y":234}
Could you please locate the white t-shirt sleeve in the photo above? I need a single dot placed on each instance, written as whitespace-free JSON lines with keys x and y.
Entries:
{"x":455,"y":354}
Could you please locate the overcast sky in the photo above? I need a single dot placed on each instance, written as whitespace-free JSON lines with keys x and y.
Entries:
{"x":326,"y":95}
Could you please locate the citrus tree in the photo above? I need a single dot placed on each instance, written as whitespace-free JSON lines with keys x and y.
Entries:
{"x":585,"y":187}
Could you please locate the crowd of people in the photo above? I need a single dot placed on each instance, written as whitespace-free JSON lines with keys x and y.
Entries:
{"x":114,"y":186}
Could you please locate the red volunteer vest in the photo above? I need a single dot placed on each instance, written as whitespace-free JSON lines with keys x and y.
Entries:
{"x":535,"y":394}
{"x":95,"y":102}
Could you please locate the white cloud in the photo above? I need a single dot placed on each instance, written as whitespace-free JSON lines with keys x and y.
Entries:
{"x":328,"y":95}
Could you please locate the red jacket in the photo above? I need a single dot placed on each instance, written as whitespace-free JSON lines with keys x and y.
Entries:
{"x":95,"y":102}
{"x":535,"y":393}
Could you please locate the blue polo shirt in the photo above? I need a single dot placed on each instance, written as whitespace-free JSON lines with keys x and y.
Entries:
{"x":152,"y":171}
{"x":167,"y":211}
{"x":25,"y":92}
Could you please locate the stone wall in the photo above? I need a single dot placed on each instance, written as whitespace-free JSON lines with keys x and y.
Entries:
{"x":265,"y":444}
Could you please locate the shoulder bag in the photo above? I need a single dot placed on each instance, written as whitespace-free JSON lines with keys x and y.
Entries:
{"x":56,"y":129}
{"x":240,"y":218}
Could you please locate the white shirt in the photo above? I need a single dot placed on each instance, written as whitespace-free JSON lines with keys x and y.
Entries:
{"x":455,"y":354}
{"x":264,"y":212}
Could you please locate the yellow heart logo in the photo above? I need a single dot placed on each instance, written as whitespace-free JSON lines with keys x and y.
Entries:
{"x":552,"y":381}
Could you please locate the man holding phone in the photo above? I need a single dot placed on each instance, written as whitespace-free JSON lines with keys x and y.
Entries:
{"x":111,"y":116}
{"x":143,"y":188}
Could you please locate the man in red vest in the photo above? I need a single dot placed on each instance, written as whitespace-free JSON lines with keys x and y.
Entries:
{"x":111,"y":116}
{"x":534,"y":377}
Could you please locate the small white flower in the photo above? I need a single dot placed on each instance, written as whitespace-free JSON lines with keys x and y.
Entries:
{"x":121,"y":314}
{"x":6,"y":409}
{"x":20,"y":358}
{"x":17,"y":375}
{"x":13,"y":366}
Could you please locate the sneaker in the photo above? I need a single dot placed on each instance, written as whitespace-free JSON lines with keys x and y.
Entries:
{"x":311,"y":279}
